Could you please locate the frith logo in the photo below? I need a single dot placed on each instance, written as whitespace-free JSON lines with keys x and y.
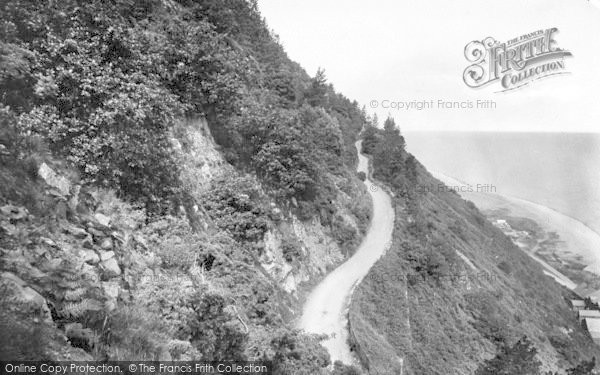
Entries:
{"x":515,"y":63}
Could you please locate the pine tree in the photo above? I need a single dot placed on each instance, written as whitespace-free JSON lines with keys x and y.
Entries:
{"x":317,"y":93}
{"x":389,"y":155}
{"x":369,"y":140}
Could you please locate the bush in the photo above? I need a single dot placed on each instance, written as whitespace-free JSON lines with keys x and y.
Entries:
{"x":104,"y":90}
{"x":519,"y":358}
{"x":231,"y":203}
{"x":291,"y":249}
{"x":340,"y":368}
{"x":487,"y":321}
{"x":214,"y":332}
{"x":296,"y":353}
{"x":135,"y":334}
{"x":344,"y":233}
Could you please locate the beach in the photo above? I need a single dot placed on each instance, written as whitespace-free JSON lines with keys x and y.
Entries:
{"x":577,"y":247}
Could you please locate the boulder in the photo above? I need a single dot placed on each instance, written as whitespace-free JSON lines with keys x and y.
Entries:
{"x":276,"y":214}
{"x":35,"y":274}
{"x":53,"y":264}
{"x":90,"y":272}
{"x":102,"y":219}
{"x":111,"y":289}
{"x":106,"y":243}
{"x":140,"y":241}
{"x":89,"y":256}
{"x":119,"y":237}
{"x":110,"y":267}
{"x":79,"y":336}
{"x":23,"y":293}
{"x":14,"y":212}
{"x":61,"y":183}
{"x":77,"y":232}
{"x":40,"y":251}
{"x":48,"y":242}
{"x":95,"y":232}
{"x":12,"y":278}
{"x":88,"y":242}
{"x":106,"y":255}
{"x":176,"y":144}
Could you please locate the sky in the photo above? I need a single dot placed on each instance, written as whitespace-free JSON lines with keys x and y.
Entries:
{"x":386,"y":51}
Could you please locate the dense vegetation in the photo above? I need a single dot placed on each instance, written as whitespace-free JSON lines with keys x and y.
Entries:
{"x":424,"y":309}
{"x":104,"y":83}
{"x":108,"y":94}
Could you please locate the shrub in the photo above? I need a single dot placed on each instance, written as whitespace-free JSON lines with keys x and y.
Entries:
{"x":340,"y":368}
{"x":214,"y":332}
{"x":344,"y":233}
{"x":291,"y":249}
{"x":296,"y":353}
{"x":487,"y":321}
{"x":231,"y":203}
{"x":135,"y":333}
{"x":519,"y":358}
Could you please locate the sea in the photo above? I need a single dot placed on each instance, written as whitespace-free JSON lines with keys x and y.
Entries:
{"x":560,"y":171}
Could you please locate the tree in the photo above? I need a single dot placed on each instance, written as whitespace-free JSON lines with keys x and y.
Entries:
{"x":411,"y":170}
{"x":375,"y":121}
{"x":369,"y":136}
{"x":389,"y":155}
{"x":517,"y":359}
{"x":317,"y":92}
{"x":298,"y":354}
{"x":389,"y":127}
{"x":214,"y":332}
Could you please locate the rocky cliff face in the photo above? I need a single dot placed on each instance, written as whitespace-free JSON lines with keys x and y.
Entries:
{"x":319,"y":250}
{"x":86,"y":254}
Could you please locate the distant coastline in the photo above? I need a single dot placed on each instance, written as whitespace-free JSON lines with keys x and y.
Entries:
{"x":555,"y":170}
{"x":568,"y":249}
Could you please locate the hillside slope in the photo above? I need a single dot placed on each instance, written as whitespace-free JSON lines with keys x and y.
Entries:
{"x":452,"y":290}
{"x":171,"y":184}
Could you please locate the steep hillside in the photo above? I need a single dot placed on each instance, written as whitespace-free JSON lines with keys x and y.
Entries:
{"x":452,"y":291}
{"x":171,"y":184}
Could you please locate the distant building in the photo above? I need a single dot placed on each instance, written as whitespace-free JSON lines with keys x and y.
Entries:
{"x":594,"y":296}
{"x":502,"y":224}
{"x":588,"y":314}
{"x":577,"y":304}
{"x":593,"y":327}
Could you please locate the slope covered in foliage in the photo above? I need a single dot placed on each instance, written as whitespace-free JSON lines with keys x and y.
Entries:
{"x":136,"y":236}
{"x":453,"y":291}
{"x":104,"y":84}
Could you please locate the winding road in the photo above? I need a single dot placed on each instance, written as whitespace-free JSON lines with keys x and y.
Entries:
{"x":326,"y":308}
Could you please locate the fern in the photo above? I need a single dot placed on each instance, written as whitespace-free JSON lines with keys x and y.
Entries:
{"x":78,"y":309}
{"x":69,"y":284}
{"x":75,"y":294}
